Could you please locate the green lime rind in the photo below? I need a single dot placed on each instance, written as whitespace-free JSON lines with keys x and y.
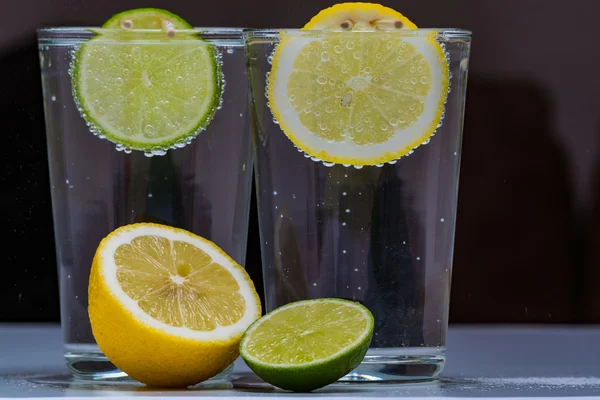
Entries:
{"x":309,"y":376}
{"x":123,"y":140}
{"x":142,"y":18}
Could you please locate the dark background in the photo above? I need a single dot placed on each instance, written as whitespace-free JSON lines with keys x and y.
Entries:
{"x":528,"y":232}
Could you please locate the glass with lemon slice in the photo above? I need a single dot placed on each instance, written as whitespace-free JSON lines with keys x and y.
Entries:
{"x":146,"y":122}
{"x":357,"y":125}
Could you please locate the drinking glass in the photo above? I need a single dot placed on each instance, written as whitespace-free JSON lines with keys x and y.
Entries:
{"x":97,"y":186}
{"x":381,"y":235}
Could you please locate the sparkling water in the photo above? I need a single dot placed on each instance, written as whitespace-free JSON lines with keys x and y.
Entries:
{"x":381,"y":235}
{"x":202,"y":185}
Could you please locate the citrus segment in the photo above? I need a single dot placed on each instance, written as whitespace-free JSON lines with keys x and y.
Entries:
{"x":308,"y":344}
{"x":166,"y":306}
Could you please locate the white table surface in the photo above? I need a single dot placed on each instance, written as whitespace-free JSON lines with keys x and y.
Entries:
{"x":546,"y":361}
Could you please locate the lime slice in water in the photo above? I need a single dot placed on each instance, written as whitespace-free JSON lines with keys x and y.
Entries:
{"x":146,"y":18}
{"x":308,"y":344}
{"x":147,"y":90}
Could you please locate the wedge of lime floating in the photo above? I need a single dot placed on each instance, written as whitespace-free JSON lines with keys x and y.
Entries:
{"x":146,"y":88}
{"x":308,"y":344}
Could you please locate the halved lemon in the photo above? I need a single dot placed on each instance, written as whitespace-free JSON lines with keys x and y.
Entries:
{"x":360,"y":96}
{"x":168,"y":307}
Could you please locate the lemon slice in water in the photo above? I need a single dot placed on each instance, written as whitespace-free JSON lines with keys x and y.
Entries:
{"x":359,"y":98}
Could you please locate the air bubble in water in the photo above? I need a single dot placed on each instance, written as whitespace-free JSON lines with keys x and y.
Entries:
{"x":230,"y":51}
{"x":179,"y":79}
{"x":358,"y":166}
{"x":168,"y":72}
{"x":328,"y":164}
{"x":150,"y":130}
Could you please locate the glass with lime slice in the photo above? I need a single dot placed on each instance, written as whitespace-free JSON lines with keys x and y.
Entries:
{"x":357,"y":135}
{"x":145,"y":84}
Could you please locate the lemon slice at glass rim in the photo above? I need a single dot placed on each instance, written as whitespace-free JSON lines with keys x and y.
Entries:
{"x":146,"y":90}
{"x":358,"y":97}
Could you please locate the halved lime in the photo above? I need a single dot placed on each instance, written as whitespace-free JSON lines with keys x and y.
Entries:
{"x":146,"y":18}
{"x":308,"y":344}
{"x":146,"y":90}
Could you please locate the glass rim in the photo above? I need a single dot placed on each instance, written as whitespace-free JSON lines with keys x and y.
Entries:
{"x":55,"y":32}
{"x":253,"y":32}
{"x":449,"y":33}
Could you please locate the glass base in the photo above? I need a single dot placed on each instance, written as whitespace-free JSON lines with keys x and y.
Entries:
{"x":399,"y":365}
{"x":87,"y":363}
